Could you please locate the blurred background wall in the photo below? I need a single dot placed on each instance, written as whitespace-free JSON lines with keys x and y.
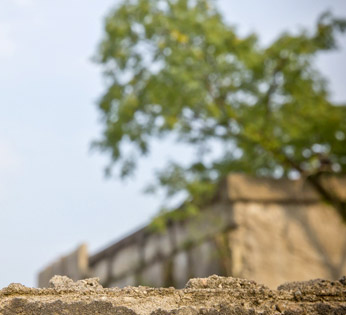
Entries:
{"x":270,"y":231}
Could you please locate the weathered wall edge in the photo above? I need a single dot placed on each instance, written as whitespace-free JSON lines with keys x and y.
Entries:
{"x":213,"y":295}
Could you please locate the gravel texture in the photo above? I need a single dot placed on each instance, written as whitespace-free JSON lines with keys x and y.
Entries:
{"x":213,"y":295}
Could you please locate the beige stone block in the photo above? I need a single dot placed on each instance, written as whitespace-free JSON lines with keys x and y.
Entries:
{"x":158,"y":246}
{"x":243,"y":187}
{"x":337,"y":185}
{"x":76,"y":264}
{"x":204,"y":260}
{"x":153,"y":275}
{"x":277,"y":243}
{"x":125,"y":260}
{"x":182,"y":236}
{"x":180,"y":269}
{"x":73,"y":265}
{"x":101,"y":270}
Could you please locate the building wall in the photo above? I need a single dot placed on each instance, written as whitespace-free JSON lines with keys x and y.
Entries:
{"x":75,"y":265}
{"x":267,"y":230}
{"x":276,"y":243}
{"x":183,"y":251}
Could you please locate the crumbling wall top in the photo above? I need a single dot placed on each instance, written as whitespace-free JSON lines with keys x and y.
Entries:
{"x":213,"y":295}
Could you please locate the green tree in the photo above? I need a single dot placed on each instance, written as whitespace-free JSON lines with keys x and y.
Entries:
{"x":175,"y":67}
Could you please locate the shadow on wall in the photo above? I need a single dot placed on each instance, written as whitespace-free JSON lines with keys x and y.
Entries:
{"x":317,"y":226}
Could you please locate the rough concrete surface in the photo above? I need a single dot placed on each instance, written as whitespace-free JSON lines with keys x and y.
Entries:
{"x":213,"y":295}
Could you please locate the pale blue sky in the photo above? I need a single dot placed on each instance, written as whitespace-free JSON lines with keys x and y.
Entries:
{"x":53,"y":195}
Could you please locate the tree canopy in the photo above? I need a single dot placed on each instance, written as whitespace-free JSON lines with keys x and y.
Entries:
{"x":175,"y":67}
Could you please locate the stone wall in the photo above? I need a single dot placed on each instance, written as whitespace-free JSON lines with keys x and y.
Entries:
{"x":213,"y":295}
{"x":75,"y":265}
{"x":267,"y":230}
